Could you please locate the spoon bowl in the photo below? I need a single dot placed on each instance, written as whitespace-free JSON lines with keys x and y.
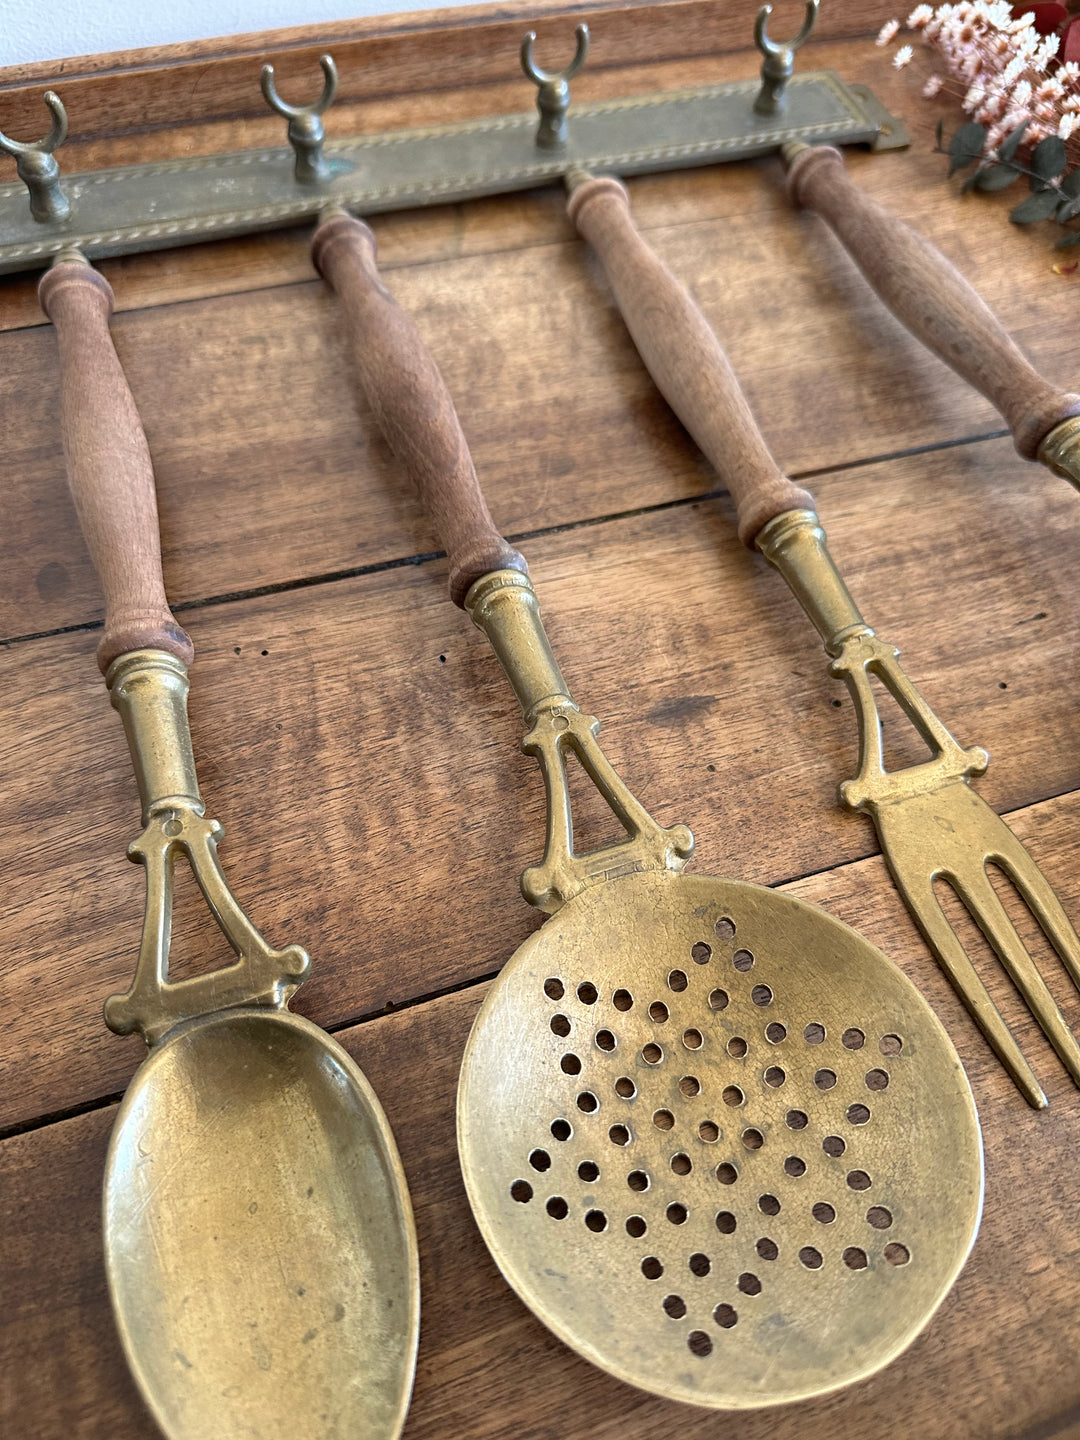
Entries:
{"x":259,"y":1238}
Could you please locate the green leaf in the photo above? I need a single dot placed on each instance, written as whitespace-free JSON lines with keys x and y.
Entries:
{"x":1068,"y":210}
{"x":1048,"y":157}
{"x":1036,"y":207}
{"x":1071,"y":184}
{"x":996,"y":177}
{"x":966,"y":146}
{"x":1072,"y":238}
{"x":1009,"y":146}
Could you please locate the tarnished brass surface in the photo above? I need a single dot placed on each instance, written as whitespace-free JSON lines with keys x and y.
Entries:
{"x":149,"y":688}
{"x":156,"y":206}
{"x":259,"y":1239}
{"x":1060,"y":450}
{"x":260,"y":1248}
{"x":932,"y":825}
{"x":712,"y":1137}
{"x":659,"y":1170}
{"x":505,"y":606}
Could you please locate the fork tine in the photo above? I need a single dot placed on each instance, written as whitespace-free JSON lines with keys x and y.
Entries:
{"x":953,"y":958}
{"x":1016,"y":861}
{"x":993,"y":920}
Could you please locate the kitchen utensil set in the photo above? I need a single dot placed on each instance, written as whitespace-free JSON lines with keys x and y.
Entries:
{"x":691,"y":1110}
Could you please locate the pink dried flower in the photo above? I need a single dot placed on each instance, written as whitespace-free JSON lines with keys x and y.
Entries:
{"x":1007,"y":70}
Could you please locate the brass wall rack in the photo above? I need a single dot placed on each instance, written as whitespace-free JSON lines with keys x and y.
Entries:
{"x":156,"y":206}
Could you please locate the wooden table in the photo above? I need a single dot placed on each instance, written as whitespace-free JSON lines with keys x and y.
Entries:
{"x":360,"y":744}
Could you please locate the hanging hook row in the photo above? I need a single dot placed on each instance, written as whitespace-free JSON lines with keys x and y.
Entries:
{"x":553,"y":94}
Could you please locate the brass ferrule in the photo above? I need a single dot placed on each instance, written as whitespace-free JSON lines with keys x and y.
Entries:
{"x":504,"y":605}
{"x":149,"y":688}
{"x":795,"y":543}
{"x":1060,"y":450}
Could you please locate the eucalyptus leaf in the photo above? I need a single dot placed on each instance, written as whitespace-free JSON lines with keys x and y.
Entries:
{"x":1067,"y":210}
{"x":996,"y":177}
{"x":966,"y":146}
{"x":1071,"y":184}
{"x":1009,"y":146}
{"x":1048,"y":157}
{"x":969,"y":183}
{"x":1066,"y":241}
{"x":1039,"y":206}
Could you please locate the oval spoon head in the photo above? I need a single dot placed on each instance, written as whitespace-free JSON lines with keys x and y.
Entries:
{"x":259,"y":1239}
{"x":717,"y":1141}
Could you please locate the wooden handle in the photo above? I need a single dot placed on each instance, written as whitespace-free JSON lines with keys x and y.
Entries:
{"x":412,"y":405}
{"x":684,"y":357}
{"x":109,"y":467}
{"x":931,"y":298}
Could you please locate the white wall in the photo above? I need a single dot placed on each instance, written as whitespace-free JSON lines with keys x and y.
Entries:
{"x":55,"y":29}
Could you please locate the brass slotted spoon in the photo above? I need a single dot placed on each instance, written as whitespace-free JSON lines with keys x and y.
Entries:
{"x":718,"y":1143}
{"x":932,"y":825}
{"x":259,"y":1240}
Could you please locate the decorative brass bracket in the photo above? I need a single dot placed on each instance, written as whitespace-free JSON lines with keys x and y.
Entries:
{"x":149,"y":688}
{"x":862,"y":656}
{"x":504,"y":605}
{"x":795,"y":543}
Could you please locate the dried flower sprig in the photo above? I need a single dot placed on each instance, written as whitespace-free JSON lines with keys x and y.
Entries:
{"x":1016,"y":76}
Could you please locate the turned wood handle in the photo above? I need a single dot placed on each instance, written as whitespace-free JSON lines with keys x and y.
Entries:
{"x":412,"y":405}
{"x":931,"y":298}
{"x":109,"y":468}
{"x":684,"y":357}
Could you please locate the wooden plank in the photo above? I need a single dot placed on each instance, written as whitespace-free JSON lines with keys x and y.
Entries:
{"x":487,"y":1368}
{"x":377,"y":808}
{"x":171,"y":85}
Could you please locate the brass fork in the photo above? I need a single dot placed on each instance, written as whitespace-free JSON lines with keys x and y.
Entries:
{"x":933,"y":827}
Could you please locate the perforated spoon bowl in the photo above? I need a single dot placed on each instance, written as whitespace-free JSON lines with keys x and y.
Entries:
{"x":712,"y":1137}
{"x":259,"y":1240}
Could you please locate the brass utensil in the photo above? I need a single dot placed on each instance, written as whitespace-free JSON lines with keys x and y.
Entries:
{"x":259,"y":1239}
{"x":939,"y":307}
{"x":712,"y":1137}
{"x":932,"y":825}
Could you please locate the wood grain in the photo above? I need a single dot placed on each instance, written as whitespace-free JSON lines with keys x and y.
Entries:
{"x":487,"y":1368}
{"x":357,"y":739}
{"x":684,"y":358}
{"x":405,"y":391}
{"x":109,"y":468}
{"x":376,"y":808}
{"x":931,"y":298}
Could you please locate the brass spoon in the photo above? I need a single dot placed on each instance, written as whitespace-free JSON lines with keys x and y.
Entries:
{"x":259,"y":1239}
{"x":712,"y":1137}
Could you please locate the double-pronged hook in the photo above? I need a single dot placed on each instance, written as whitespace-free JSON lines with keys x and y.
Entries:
{"x":779,"y":63}
{"x":553,"y":95}
{"x":306,"y":133}
{"x":37,"y":167}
